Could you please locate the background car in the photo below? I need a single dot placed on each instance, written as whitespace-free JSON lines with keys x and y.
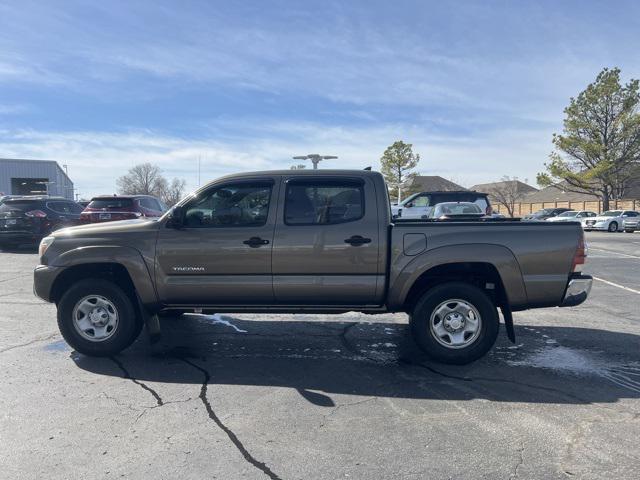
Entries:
{"x":545,"y":213}
{"x":457,"y":210}
{"x":572,"y":216}
{"x":121,"y":207}
{"x":631,"y":222}
{"x":421,"y":205}
{"x":611,"y":220}
{"x":28,"y":219}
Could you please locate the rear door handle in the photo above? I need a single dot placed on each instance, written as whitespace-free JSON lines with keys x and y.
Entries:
{"x":255,"y":242}
{"x":357,"y":240}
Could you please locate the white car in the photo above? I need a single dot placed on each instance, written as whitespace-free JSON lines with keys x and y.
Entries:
{"x":610,"y":221}
{"x":421,"y":205}
{"x":573,"y":216}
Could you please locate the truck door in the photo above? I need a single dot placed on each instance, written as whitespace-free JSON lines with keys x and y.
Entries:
{"x":222,"y":253}
{"x":326,"y":243}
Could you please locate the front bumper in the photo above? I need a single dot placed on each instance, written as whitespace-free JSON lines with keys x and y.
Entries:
{"x":43,"y":278}
{"x":577,"y":290}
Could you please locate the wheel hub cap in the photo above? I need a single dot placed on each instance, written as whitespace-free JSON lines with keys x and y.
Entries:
{"x":455,"y":323}
{"x":95,"y":318}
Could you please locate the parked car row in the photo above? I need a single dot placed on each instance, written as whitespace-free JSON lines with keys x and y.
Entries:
{"x":27,"y":219}
{"x":610,"y":221}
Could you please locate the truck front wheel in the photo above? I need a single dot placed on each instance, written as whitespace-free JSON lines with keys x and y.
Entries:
{"x":455,"y":323}
{"x":97,"y":318}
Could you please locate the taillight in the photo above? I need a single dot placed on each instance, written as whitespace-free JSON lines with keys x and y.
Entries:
{"x":36,"y":213}
{"x":580,"y":255}
{"x":489,"y":210}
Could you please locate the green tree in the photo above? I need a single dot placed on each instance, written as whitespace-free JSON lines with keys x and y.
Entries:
{"x":397,"y":162}
{"x":599,"y":149}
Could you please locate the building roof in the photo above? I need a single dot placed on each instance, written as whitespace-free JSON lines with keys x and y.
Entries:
{"x":434,"y":183}
{"x":557,"y":193}
{"x":520,"y":187}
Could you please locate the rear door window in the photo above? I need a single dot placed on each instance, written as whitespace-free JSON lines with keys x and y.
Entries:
{"x":318,"y":202}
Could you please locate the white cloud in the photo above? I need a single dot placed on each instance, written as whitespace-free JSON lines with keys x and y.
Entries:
{"x":96,"y":159}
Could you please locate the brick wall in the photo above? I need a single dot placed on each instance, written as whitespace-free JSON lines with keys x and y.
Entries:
{"x":521,"y":209}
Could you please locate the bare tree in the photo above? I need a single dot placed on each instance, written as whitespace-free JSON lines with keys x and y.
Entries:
{"x":147,"y":179}
{"x":508,"y":192}
{"x":173,"y":192}
{"x":142,"y":179}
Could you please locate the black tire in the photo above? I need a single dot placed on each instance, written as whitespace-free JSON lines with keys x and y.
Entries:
{"x":613,"y":227}
{"x":426,"y":338}
{"x":128,"y":327}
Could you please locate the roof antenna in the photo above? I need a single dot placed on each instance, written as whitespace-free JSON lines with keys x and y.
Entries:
{"x":367,"y":168}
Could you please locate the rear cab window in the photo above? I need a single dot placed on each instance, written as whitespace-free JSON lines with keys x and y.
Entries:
{"x":323,"y":202}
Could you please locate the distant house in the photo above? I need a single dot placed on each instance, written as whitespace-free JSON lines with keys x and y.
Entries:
{"x":516,"y":186}
{"x":556,"y":193}
{"x":433,"y":183}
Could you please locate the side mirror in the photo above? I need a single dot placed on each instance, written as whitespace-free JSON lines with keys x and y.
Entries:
{"x":176,"y":218}
{"x":409,"y":205}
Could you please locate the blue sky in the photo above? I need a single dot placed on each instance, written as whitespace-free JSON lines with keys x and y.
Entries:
{"x":477,"y":86}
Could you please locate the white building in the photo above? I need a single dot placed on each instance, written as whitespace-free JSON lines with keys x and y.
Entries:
{"x":34,"y":177}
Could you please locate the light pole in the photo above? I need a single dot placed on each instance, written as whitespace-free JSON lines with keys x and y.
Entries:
{"x":315,"y":158}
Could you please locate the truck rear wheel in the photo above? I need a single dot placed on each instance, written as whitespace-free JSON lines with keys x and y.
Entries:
{"x":455,"y":323}
{"x":97,"y":318}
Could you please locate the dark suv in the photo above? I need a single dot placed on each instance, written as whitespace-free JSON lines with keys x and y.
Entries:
{"x":122,"y":207}
{"x":29,"y":219}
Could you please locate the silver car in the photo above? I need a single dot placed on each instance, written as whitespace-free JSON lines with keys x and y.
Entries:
{"x":631,"y":222}
{"x":573,"y":216}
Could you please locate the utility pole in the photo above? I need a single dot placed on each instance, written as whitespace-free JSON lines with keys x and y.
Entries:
{"x":315,"y":158}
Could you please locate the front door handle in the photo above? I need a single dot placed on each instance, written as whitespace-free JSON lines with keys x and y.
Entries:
{"x":255,"y":242}
{"x":357,"y":240}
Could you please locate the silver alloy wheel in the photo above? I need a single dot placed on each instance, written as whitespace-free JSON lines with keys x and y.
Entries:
{"x":455,"y":323}
{"x":95,"y":318}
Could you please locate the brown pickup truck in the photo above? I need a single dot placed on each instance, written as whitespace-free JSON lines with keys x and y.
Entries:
{"x":320,"y":241}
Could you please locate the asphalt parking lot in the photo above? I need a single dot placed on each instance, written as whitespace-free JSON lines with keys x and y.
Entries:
{"x":327,"y":397}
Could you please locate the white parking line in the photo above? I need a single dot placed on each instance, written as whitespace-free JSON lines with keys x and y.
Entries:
{"x":617,"y":285}
{"x":614,"y":253}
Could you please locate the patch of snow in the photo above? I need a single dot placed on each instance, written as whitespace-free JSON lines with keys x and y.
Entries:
{"x":217,"y":319}
{"x":576,"y":362}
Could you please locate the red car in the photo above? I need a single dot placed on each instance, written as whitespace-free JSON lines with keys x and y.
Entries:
{"x":121,"y":207}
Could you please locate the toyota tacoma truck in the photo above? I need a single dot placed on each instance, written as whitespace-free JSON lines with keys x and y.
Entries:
{"x":313,"y":242}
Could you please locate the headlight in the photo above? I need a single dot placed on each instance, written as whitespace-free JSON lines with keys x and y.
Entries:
{"x":44,"y":244}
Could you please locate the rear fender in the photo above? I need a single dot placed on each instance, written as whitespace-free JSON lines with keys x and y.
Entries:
{"x":402,"y":278}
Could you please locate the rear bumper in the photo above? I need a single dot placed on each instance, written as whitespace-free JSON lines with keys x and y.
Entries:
{"x":577,"y":290}
{"x":19,"y":236}
{"x":43,"y":278}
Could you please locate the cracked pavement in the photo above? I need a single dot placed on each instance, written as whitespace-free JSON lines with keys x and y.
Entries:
{"x":326,"y":397}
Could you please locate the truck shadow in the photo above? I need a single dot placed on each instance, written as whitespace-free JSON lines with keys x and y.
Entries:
{"x":319,"y":359}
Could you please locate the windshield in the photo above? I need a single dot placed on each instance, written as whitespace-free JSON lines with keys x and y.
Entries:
{"x":111,"y":203}
{"x":568,"y":214}
{"x":612,"y":213}
{"x":461,"y":208}
{"x":544,"y":211}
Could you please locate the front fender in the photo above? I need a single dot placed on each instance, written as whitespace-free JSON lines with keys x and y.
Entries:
{"x":404,"y":273}
{"x":130,"y":258}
